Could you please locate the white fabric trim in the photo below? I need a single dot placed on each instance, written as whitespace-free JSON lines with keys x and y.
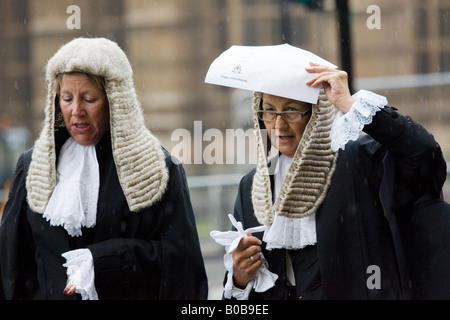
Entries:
{"x":229,"y":289}
{"x":291,"y":233}
{"x":284,"y":232}
{"x":73,"y":203}
{"x":347,"y":127}
{"x":284,"y":162}
{"x":80,"y":272}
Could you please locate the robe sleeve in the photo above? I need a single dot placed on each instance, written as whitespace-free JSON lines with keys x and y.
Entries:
{"x":414,"y":172}
{"x":171,"y":264}
{"x":17,"y":266}
{"x":419,"y":163}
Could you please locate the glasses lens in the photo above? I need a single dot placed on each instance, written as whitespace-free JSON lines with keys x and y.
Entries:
{"x":267,"y":115}
{"x":291,"y":116}
{"x":288,"y":116}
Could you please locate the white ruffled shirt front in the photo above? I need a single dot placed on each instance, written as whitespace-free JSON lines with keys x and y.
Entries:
{"x":290,"y":233}
{"x":73,"y":205}
{"x":287,"y":232}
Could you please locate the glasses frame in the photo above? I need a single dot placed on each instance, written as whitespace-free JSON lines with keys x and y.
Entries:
{"x":282,"y":113}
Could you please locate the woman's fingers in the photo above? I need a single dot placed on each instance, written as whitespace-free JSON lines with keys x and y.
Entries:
{"x":323,"y":77}
{"x":335,"y":84}
{"x":70,"y":288}
{"x":318,"y":68}
{"x":248,"y":241}
{"x":246,"y":260}
{"x":247,"y":251}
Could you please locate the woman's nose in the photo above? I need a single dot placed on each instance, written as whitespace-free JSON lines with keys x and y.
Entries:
{"x":279,"y":122}
{"x":77,"y":108}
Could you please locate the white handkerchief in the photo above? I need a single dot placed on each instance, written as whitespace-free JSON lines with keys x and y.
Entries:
{"x":264,"y":279}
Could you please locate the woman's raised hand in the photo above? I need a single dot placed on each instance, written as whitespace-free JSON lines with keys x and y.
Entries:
{"x":335,"y":84}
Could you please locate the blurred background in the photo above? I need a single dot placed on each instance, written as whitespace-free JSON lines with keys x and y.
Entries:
{"x":400,"y":49}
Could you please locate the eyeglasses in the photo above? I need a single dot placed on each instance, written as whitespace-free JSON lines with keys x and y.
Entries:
{"x":288,"y":116}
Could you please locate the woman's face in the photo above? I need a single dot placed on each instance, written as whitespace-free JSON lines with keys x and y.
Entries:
{"x":285,"y":136}
{"x":84,"y":107}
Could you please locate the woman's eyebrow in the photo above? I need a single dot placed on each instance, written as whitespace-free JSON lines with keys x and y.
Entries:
{"x":294,"y":102}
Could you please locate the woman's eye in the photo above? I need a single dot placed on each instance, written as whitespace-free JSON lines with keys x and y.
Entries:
{"x":292,"y":109}
{"x":90,"y":100}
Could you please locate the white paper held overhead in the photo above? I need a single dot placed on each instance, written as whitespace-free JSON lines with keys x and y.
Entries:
{"x":278,"y":70}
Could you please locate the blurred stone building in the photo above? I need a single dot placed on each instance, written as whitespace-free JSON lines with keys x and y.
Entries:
{"x":171,"y":43}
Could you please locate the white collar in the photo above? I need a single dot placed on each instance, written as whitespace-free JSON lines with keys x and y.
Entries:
{"x":284,"y":162}
{"x":73,"y":203}
{"x":285,"y":232}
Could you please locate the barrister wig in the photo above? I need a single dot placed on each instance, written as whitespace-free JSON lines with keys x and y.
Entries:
{"x":138,"y":155}
{"x":309,"y":176}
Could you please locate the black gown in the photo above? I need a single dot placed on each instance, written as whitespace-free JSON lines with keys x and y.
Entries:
{"x":384,"y":209}
{"x":151,"y":254}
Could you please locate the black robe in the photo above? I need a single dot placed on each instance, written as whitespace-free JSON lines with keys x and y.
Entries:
{"x":150,"y":254}
{"x":383,"y":216}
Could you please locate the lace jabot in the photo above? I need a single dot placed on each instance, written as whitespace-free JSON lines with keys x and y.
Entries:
{"x":73,"y":203}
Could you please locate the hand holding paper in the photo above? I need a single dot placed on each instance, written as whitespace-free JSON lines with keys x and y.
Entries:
{"x":335,"y":84}
{"x":230,"y":239}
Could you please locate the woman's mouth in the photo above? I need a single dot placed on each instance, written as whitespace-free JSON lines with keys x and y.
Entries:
{"x":285,"y":139}
{"x":81,"y":127}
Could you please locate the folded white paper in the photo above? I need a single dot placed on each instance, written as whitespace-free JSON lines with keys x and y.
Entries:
{"x":278,"y":70}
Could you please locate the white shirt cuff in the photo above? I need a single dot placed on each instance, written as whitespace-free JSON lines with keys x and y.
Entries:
{"x":80,"y":272}
{"x":347,"y":127}
{"x":230,"y":291}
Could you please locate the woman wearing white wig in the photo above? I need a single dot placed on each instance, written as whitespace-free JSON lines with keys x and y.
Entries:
{"x":343,"y":215}
{"x":97,"y":208}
